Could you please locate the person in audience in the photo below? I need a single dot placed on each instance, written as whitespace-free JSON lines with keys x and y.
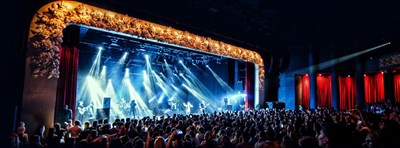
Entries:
{"x":40,"y":132}
{"x":75,"y":130}
{"x":22,"y":135}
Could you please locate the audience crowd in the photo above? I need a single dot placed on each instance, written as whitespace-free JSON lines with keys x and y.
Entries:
{"x":275,"y":128}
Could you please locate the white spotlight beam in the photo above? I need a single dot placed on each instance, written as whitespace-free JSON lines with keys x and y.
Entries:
{"x":339,"y":60}
{"x":221,"y":82}
{"x":197,"y":82}
{"x":95,"y":68}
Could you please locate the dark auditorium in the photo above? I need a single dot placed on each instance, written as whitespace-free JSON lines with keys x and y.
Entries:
{"x":200,"y":74}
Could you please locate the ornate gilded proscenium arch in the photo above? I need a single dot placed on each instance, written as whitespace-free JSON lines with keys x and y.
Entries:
{"x":48,"y":23}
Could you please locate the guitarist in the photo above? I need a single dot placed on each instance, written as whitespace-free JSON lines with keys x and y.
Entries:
{"x":203,"y":106}
{"x":81,"y":111}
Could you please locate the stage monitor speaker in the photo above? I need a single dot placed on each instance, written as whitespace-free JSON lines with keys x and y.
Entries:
{"x":103,"y":113}
{"x":106,"y":102}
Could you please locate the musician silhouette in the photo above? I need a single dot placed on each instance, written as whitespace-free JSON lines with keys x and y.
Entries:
{"x":173,"y":103}
{"x":81,"y":111}
{"x":133,"y":108}
{"x":203,"y":107}
{"x":188,"y":106}
{"x":226,"y":104}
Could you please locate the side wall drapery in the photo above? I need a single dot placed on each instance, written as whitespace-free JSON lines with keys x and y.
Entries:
{"x":324,"y":91}
{"x":397,"y":88}
{"x":374,"y":89}
{"x":303,"y":91}
{"x":347,"y":92}
{"x":69,"y":55}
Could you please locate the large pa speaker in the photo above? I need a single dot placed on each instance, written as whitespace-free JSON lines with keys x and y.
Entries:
{"x":103,"y":113}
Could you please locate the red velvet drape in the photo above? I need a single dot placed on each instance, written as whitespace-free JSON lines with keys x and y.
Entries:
{"x":374,"y":88}
{"x":324,"y":91}
{"x":306,"y":91}
{"x":249,"y":87}
{"x":303,"y":91}
{"x":397,"y":88}
{"x":347,"y":92}
{"x":67,"y":82}
{"x":66,"y":92}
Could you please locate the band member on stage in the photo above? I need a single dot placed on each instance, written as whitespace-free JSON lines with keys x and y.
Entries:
{"x":188,"y":106}
{"x":173,"y":103}
{"x":81,"y":111}
{"x":64,"y":114}
{"x":91,"y":110}
{"x":133,"y":108}
{"x":226,"y":104}
{"x":203,"y":107}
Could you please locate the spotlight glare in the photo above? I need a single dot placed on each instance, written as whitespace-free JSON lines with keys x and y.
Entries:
{"x":100,"y":48}
{"x":180,"y":61}
{"x":146,"y":56}
{"x":348,"y":76}
{"x":306,"y":75}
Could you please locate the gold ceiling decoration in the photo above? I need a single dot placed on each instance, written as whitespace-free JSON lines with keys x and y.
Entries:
{"x":46,"y":36}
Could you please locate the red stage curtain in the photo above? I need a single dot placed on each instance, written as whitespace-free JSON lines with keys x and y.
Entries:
{"x":347,"y":92}
{"x":374,"y":88}
{"x":306,"y":91}
{"x":303,"y":91}
{"x":250,"y":69}
{"x":324,"y":91}
{"x":67,"y":82}
{"x":66,"y":92}
{"x":397,"y":88}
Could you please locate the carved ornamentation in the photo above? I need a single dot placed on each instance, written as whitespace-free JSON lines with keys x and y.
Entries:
{"x":48,"y":23}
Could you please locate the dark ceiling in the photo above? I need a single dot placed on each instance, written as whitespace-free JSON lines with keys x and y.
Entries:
{"x":271,"y":25}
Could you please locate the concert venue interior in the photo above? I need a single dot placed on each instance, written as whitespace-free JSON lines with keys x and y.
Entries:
{"x":135,"y":59}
